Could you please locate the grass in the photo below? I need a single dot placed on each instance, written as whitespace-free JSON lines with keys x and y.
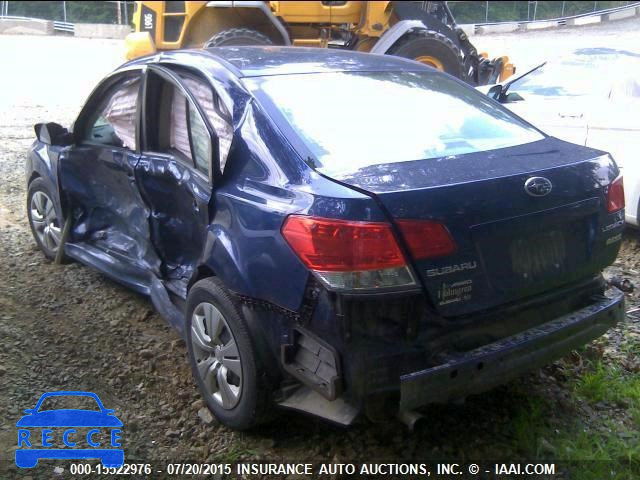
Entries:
{"x":608,"y":383}
{"x":599,"y":456}
{"x":607,"y":450}
{"x":529,"y":425}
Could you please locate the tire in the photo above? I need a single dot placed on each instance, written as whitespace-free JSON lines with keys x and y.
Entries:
{"x":427,"y":43}
{"x":236,"y":37}
{"x":246,"y":402}
{"x":46,"y":227}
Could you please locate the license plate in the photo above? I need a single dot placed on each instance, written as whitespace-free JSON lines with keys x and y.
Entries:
{"x":538,"y":255}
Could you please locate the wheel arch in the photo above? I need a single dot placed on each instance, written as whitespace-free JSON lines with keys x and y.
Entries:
{"x":43,"y":162}
{"x":266,"y":355}
{"x":637,"y":219}
{"x":220,"y":16}
{"x":201,"y":272}
{"x":395,"y":34}
{"x":219,"y":260}
{"x":32,"y":177}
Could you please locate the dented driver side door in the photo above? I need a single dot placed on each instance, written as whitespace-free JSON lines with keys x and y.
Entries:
{"x":110,"y":227}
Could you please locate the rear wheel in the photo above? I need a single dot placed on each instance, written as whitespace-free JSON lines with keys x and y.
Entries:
{"x":236,"y":37}
{"x":223,"y":358}
{"x":433,"y":49}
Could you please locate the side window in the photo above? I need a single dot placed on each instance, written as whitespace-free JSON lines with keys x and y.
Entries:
{"x":176,"y":126}
{"x":114,"y":121}
{"x":200,"y":141}
{"x":216,"y":113}
{"x":176,"y":122}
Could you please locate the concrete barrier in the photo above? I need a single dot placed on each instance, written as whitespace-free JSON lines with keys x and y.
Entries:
{"x":584,"y":20}
{"x":101,"y":30}
{"x":497,"y":28}
{"x":540,"y":25}
{"x":631,"y":12}
{"x":26,"y":26}
{"x":588,"y":19}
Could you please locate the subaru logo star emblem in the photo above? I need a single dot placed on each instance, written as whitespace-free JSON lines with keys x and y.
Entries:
{"x":538,"y":186}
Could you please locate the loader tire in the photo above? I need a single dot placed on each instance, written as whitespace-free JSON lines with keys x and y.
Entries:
{"x":236,"y":37}
{"x":433,"y":49}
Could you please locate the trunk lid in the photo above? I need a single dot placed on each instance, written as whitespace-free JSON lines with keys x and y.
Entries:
{"x":510,"y":245}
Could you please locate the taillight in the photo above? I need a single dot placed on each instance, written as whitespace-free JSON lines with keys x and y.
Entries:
{"x":426,"y":238}
{"x":615,"y":195}
{"x":348,"y":255}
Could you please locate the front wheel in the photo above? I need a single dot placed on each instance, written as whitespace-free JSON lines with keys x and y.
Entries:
{"x":223,"y":358}
{"x":45,"y":225}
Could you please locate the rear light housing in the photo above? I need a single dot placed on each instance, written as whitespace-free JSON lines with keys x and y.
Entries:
{"x":348,"y":255}
{"x":615,"y":195}
{"x":351,"y":255}
{"x":426,"y":238}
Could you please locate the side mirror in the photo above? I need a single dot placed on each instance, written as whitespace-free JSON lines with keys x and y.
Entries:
{"x":513,"y":97}
{"x":29,"y":410}
{"x":495,"y":92}
{"x":53,"y":134}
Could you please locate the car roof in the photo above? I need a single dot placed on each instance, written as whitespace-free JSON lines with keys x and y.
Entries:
{"x":258,"y":61}
{"x":274,"y":60}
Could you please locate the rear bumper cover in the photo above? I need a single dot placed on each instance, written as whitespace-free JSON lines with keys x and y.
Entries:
{"x":496,"y":363}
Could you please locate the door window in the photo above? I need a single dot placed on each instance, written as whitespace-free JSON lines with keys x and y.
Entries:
{"x":216,"y":113}
{"x":176,"y":127}
{"x":114,"y":121}
{"x":200,"y":141}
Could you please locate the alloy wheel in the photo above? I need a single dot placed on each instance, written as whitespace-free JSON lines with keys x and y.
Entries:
{"x":45,"y":221}
{"x":216,"y":354}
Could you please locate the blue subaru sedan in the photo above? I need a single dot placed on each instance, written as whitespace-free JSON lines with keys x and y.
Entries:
{"x":332,"y":232}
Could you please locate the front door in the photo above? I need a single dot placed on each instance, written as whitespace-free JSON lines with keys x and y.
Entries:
{"x":98,"y":177}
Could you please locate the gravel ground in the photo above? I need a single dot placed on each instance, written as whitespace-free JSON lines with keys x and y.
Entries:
{"x":68,"y":327}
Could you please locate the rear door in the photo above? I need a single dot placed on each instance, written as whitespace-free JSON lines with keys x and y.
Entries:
{"x":98,"y":174}
{"x":175,"y":174}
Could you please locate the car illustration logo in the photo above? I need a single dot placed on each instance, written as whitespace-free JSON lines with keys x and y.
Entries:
{"x":36,"y":435}
{"x":538,"y":186}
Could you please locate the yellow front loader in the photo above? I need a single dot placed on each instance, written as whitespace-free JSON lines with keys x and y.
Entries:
{"x":422,"y":31}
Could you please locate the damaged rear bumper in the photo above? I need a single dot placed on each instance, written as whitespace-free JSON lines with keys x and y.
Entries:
{"x":499,"y":362}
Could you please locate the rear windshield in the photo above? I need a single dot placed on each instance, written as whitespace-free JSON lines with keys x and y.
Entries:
{"x":352,"y":120}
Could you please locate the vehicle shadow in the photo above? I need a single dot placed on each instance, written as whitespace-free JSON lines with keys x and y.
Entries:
{"x":503,"y":423}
